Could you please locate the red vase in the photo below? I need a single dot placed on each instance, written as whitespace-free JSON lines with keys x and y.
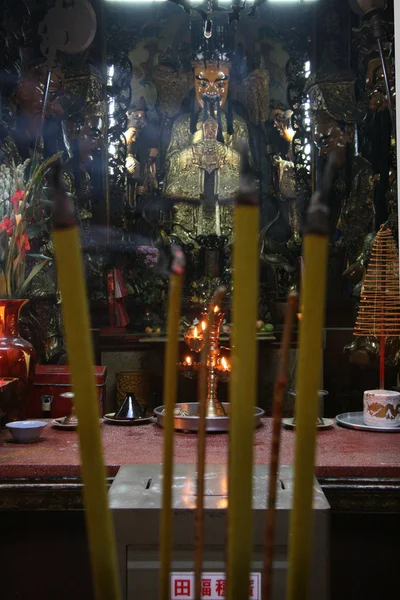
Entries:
{"x":17,"y":356}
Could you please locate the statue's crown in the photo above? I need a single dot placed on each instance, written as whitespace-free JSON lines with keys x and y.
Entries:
{"x":217,"y":49}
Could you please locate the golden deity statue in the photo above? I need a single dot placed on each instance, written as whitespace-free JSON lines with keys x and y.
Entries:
{"x":202,"y":160}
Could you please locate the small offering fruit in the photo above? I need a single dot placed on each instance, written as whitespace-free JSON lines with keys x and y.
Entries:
{"x":259,"y":325}
{"x":148,"y":330}
{"x":267,"y":328}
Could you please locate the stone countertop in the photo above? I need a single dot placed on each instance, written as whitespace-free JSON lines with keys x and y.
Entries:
{"x":341,"y":453}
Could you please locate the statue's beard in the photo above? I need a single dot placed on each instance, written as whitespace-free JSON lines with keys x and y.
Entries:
{"x":212,"y":108}
{"x":211,"y":105}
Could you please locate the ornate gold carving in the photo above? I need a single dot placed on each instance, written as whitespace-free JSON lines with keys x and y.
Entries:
{"x":256,"y":95}
{"x":172,"y":87}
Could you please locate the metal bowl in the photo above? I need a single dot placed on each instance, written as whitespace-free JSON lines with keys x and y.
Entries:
{"x":191,"y":422}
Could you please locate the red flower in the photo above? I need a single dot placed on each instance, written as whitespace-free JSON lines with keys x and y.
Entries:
{"x":7,"y":225}
{"x":23,"y":243}
{"x":16,"y":199}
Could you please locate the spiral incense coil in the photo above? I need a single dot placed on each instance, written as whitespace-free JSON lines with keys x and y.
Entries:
{"x":379,"y":311}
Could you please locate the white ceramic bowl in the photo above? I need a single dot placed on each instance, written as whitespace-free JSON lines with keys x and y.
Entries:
{"x":26,"y":432}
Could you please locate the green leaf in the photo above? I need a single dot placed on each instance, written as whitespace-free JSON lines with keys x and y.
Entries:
{"x":42,"y":256}
{"x":46,"y":202}
{"x":17,"y":260}
{"x":35,"y":228}
{"x":36,"y":269}
{"x":29,"y":212}
{"x":3,"y":285}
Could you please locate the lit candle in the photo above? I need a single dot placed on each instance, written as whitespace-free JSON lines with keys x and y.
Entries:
{"x":170,"y":392}
{"x":225,"y":365}
{"x":194,"y":338}
{"x":315,"y":252}
{"x":188,"y":361}
{"x":243,"y":385}
{"x":71,"y":280}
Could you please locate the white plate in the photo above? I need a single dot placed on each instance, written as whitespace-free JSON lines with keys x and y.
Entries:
{"x":325,"y":425}
{"x":60,"y":425}
{"x":355,"y":420}
{"x":109,"y":418}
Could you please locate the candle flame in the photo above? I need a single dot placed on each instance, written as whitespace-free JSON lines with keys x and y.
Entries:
{"x":195,"y":334}
{"x":188,"y":360}
{"x":288,"y":134}
{"x":203,"y":325}
{"x":224,"y":363}
{"x":216,"y":309}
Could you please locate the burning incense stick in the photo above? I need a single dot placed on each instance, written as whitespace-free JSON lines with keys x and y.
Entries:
{"x":201,"y":443}
{"x":71,"y":282}
{"x":279,"y":391}
{"x":243,"y":385}
{"x":315,"y":254}
{"x":170,"y":392}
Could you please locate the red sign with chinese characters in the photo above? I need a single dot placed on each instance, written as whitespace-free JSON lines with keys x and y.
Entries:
{"x":213,"y":586}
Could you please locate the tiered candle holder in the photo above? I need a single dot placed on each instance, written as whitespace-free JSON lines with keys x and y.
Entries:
{"x":186,"y":416}
{"x":217,"y":369}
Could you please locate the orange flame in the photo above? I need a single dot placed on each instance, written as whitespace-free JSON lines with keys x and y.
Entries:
{"x":224,"y":363}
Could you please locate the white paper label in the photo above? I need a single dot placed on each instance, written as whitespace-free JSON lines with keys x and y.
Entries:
{"x":213,"y":586}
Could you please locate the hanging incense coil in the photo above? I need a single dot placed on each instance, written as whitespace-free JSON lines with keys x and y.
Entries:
{"x":379,"y":311}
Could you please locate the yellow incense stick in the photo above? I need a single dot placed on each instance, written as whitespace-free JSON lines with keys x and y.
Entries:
{"x":201,"y":445}
{"x":170,"y":392}
{"x":315,"y":252}
{"x":71,"y":282}
{"x":277,"y":412}
{"x":243,"y":388}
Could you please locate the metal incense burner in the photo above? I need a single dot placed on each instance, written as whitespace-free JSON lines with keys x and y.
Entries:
{"x":217,"y":416}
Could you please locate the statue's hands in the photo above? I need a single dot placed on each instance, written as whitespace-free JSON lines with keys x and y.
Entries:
{"x":131,"y":135}
{"x":132,"y":165}
{"x":210,"y":129}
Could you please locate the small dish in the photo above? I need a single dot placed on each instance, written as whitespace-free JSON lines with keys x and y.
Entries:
{"x":59,"y":423}
{"x":355,"y":420}
{"x":109,"y":418}
{"x":26,"y":432}
{"x":326,"y":424}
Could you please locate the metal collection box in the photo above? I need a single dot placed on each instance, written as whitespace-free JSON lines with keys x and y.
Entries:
{"x":135,"y":499}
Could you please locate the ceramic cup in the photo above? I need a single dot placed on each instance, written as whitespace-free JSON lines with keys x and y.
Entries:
{"x":382,"y":408}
